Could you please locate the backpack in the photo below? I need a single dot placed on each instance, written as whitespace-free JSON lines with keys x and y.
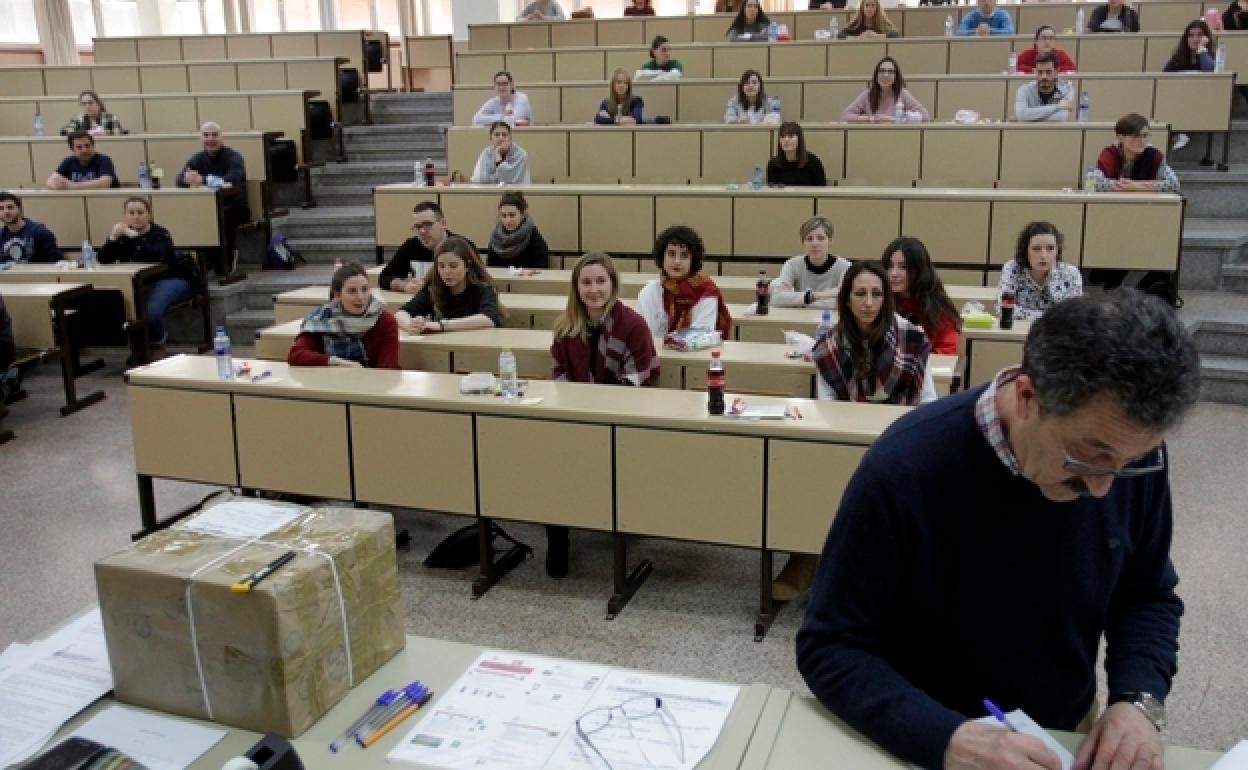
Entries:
{"x":461,"y":549}
{"x":279,"y":255}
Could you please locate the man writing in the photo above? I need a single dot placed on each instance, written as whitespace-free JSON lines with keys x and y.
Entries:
{"x":22,"y":239}
{"x":86,"y":169}
{"x":928,"y":600}
{"x":407,"y":269}
{"x":1046,"y":98}
{"x":215,"y":166}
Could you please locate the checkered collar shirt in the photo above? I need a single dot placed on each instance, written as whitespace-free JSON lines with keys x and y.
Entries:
{"x":989,"y":419}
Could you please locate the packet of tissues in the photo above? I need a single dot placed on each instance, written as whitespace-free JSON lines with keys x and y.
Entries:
{"x":692,"y":338}
{"x":477,"y":383}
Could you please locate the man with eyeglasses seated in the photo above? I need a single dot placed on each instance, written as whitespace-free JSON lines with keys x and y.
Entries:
{"x":1134,"y":164}
{"x":988,"y":540}
{"x":1047,"y":98}
{"x":407,"y":269}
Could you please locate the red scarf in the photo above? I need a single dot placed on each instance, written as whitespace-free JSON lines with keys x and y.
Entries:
{"x":679,"y":298}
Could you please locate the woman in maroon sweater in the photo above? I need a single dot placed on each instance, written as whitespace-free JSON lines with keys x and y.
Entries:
{"x":353,"y":329}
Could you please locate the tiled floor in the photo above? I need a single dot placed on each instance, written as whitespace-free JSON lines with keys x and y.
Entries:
{"x":69,"y":498}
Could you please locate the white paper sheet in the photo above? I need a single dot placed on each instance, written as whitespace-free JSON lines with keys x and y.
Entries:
{"x":66,"y":673}
{"x":157,"y":742}
{"x":1027,"y":726}
{"x":241,"y":519}
{"x":1235,"y":759}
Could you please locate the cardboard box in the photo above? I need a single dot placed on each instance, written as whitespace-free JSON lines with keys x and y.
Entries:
{"x":273,"y":660}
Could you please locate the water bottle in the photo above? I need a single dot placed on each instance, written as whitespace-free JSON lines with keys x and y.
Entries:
{"x":773,"y":32}
{"x":1219,"y":59}
{"x":88,"y":256}
{"x":834,"y":29}
{"x":762,"y":293}
{"x":418,"y":174}
{"x":773,"y":106}
{"x":1089,"y":179}
{"x":1079,"y":28}
{"x":507,"y":379}
{"x":429,"y":172}
{"x":145,"y":176}
{"x":225,"y":358}
{"x":825,"y":325}
{"x":715,"y":382}
{"x":949,"y":26}
{"x":1011,"y":63}
{"x":899,"y":112}
{"x":756,"y":183}
{"x":1083,"y":107}
{"x":509,"y":113}
{"x":39,"y":123}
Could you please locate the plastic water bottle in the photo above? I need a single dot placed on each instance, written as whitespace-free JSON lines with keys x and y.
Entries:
{"x":949,"y":26}
{"x":418,"y":174}
{"x":429,"y":172}
{"x":899,"y":112}
{"x":825,"y":325}
{"x":716,"y":380}
{"x":1219,"y":59}
{"x":1011,"y":63}
{"x":224,"y":352}
{"x":773,"y":32}
{"x":773,"y":106}
{"x":39,"y":123}
{"x":834,"y":29}
{"x":756,"y":182}
{"x":1089,"y":179}
{"x":1083,"y":107}
{"x":88,"y":256}
{"x":507,"y":379}
{"x":509,"y":113}
{"x":762,"y":294}
{"x":145,"y":176}
{"x":1079,"y":28}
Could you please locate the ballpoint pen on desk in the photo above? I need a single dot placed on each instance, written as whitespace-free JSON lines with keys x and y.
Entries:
{"x":999,"y":715}
{"x":248,"y":583}
{"x":413,"y":693}
{"x":384,"y":700}
{"x":398,"y":718}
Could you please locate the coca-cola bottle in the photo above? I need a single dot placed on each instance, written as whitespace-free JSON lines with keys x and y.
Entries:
{"x":715,"y":381}
{"x":1007,"y":310}
{"x":762,"y":291}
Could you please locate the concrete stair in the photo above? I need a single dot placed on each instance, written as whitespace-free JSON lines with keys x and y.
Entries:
{"x":250,"y":302}
{"x":1215,"y":255}
{"x":1219,"y":324}
{"x":424,"y":108}
{"x":392,"y":142}
{"x":1215,"y":194}
{"x":327,"y":222}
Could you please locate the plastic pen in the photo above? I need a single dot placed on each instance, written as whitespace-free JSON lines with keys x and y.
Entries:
{"x":246,"y":584}
{"x":412,"y":708}
{"x":385,"y":699}
{"x":413,"y":694}
{"x":999,"y":715}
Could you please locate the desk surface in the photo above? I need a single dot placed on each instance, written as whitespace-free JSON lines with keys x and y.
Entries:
{"x":1017,"y":333}
{"x":45,"y":291}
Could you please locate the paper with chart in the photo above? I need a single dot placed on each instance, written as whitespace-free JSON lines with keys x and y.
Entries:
{"x":506,"y":712}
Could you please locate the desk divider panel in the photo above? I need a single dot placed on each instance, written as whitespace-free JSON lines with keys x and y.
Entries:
{"x":617,"y":223}
{"x":1035,"y":159}
{"x":1109,"y":53}
{"x":979,"y":56}
{"x":782,"y":215}
{"x":204,"y":47}
{"x":953,"y":231}
{"x":160,"y":48}
{"x":863,"y":227}
{"x":963,"y":158}
{"x":65,"y":217}
{"x":18,"y":170}
{"x":192,"y":220}
{"x":115,"y":50}
{"x":1177,"y":101}
{"x":290,"y":45}
{"x":287,"y":445}
{"x":600,"y":156}
{"x":167,"y":78}
{"x":582,"y":65}
{"x":829,"y":145}
{"x":67,"y":82}
{"x":1009,"y":218}
{"x":889,"y":157}
{"x":257,"y":46}
{"x":174,"y":115}
{"x":613,"y":32}
{"x":987,"y":97}
{"x":573,"y":35}
{"x":558,"y":218}
{"x":200,"y":448}
{"x":535,"y":36}
{"x":729,"y":61}
{"x":856,"y":58}
{"x":669,"y":155}
{"x":989,"y":357}
{"x":1150,"y":228}
{"x":227,"y":77}
{"x":30,"y":317}
{"x":711,"y":217}
{"x":548,"y":154}
{"x":674,"y":28}
{"x":1109,"y":100}
{"x":491,"y":38}
{"x":799,"y":513}
{"x":387,"y":474}
{"x":730,"y":156}
{"x":21,"y":82}
{"x":532,"y":67}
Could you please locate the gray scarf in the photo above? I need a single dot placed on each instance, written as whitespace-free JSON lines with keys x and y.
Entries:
{"x":508,"y":245}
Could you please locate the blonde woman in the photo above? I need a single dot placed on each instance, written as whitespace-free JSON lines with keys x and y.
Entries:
{"x":620,"y":108}
{"x":597,"y":339}
{"x":460,"y":294}
{"x":870,"y":20}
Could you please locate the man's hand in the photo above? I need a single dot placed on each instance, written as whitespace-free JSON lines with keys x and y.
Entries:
{"x":976,"y":746}
{"x":983,"y":30}
{"x":191,"y":178}
{"x":1123,"y":737}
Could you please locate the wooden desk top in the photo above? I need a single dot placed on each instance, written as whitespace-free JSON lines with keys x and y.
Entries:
{"x":127,"y":269}
{"x":831,"y":421}
{"x":1018,"y":333}
{"x":45,"y":291}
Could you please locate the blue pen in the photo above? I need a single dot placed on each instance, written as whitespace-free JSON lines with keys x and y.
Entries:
{"x":999,"y":715}
{"x":408,"y":695}
{"x":385,"y":699}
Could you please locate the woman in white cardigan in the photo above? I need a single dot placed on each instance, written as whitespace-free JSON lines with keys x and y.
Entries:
{"x":507,"y":104}
{"x":502,"y":162}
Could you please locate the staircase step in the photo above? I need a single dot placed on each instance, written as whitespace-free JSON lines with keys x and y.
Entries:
{"x":327,"y":222}
{"x":1224,"y":379}
{"x":323,"y":251}
{"x":344,"y":195}
{"x":1209,"y":246}
{"x":1222,"y":338}
{"x":1235,"y":278}
{"x":398,"y":129}
{"x":242,"y":325}
{"x":1215,"y":194}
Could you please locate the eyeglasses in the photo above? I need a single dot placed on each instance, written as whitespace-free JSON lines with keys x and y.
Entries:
{"x":1150,"y":463}
{"x":642,"y":707}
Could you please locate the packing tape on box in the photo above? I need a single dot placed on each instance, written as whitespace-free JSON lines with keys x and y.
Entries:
{"x":309,"y":550}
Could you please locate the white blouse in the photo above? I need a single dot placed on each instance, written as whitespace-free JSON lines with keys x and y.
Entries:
{"x":650,"y":305}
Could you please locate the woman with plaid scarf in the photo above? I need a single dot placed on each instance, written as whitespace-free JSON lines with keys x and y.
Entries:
{"x":353,"y":329}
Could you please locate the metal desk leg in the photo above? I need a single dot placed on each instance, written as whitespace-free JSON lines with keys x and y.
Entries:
{"x":624,"y":583}
{"x":768,"y":606}
{"x":72,"y":402}
{"x":493,"y":570}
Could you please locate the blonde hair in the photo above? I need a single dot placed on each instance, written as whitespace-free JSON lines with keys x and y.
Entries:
{"x":879,"y":22}
{"x":816,"y":223}
{"x":574,"y":320}
{"x":440,"y":293}
{"x":614,"y":103}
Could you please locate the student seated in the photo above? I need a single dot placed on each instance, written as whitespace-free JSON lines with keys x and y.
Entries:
{"x":502,"y":162}
{"x":814,"y":277}
{"x":661,"y":65}
{"x":22,"y":239}
{"x":638,"y":8}
{"x":793,"y":165}
{"x":93,"y":119}
{"x":215,"y":165}
{"x":507,"y":104}
{"x":1134,"y":165}
{"x":459,"y":295}
{"x":878,"y":103}
{"x":86,"y":169}
{"x":750,"y":103}
{"x":516,"y":241}
{"x":869,"y":21}
{"x":409,"y":267}
{"x":1114,"y":16}
{"x":353,"y":329}
{"x":872,"y":355}
{"x":920,"y":295}
{"x":1192,"y":52}
{"x":542,"y":10}
{"x":620,"y":108}
{"x":597,"y":339}
{"x":750,"y":23}
{"x":1235,"y":17}
{"x":1037,"y":276}
{"x":1048,"y":98}
{"x":682,"y":296}
{"x":986,"y":19}
{"x":1046,"y":40}
{"x":138,"y":239}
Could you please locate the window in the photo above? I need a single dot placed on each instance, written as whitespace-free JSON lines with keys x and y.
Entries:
{"x":302,"y":15}
{"x":440,"y":17}
{"x":358,"y":14}
{"x":188,"y":19}
{"x":83,"y":17}
{"x":298,"y":15}
{"x":121,"y":18}
{"x":19,"y":18}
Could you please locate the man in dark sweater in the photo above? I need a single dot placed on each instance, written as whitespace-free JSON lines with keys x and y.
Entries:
{"x":85,"y":169}
{"x":407,"y":269}
{"x":214,"y":166}
{"x":22,"y":239}
{"x":992,"y":567}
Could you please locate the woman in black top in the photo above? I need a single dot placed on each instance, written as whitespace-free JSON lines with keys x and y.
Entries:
{"x":516,"y":241}
{"x":138,"y":239}
{"x":460,"y":294}
{"x":793,"y":166}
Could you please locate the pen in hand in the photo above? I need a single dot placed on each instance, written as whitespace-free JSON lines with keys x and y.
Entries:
{"x":999,"y":715}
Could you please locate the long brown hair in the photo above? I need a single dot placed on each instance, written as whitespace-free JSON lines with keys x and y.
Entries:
{"x":875,"y":92}
{"x":879,"y":22}
{"x":922,"y":283}
{"x":574,"y":320}
{"x":792,"y":129}
{"x":478,"y":275}
{"x":859,"y":345}
{"x":614,"y":103}
{"x":738,"y":22}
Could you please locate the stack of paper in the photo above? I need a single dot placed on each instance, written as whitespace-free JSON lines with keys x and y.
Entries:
{"x":1235,"y":759}
{"x":156,"y":742}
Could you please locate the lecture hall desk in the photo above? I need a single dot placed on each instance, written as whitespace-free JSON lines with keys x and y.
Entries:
{"x":39,"y":312}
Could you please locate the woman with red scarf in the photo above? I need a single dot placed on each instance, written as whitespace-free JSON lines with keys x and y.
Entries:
{"x":682,"y":296}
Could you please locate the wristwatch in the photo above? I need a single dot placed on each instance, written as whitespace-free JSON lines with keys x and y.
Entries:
{"x":810,"y":296}
{"x":1153,"y":708}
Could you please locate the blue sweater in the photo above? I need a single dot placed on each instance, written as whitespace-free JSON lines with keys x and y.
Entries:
{"x":999,"y":23}
{"x":945,"y":579}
